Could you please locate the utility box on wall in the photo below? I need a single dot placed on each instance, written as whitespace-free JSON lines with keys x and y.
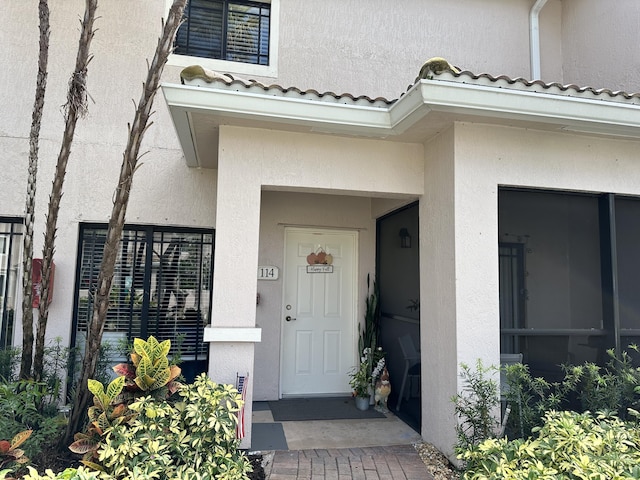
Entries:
{"x":36,"y":281}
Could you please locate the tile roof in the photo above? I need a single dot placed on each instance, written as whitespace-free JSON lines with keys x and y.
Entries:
{"x":434,"y":69}
{"x":437,"y":69}
{"x":196,"y":75}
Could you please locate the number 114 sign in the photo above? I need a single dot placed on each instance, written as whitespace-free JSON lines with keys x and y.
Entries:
{"x":268,"y":273}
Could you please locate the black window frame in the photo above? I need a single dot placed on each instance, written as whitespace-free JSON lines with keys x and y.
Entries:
{"x":7,"y":322}
{"x":218,"y":45}
{"x":143,"y":290}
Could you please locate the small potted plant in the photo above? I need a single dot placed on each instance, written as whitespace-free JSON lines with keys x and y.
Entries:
{"x":363,"y":377}
{"x":360,"y":382}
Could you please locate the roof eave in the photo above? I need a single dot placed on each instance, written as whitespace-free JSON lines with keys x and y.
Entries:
{"x":567,"y":113}
{"x":278,"y":111}
{"x":463,"y":100}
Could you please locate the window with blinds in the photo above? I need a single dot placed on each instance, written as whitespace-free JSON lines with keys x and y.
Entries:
{"x":228,"y":30}
{"x":161,"y":287}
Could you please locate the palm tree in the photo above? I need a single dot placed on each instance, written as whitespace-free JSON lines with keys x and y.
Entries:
{"x":75,"y":108}
{"x":34,"y":138}
{"x":118,"y":213}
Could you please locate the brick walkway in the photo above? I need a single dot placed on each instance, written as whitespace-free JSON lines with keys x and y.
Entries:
{"x":400,"y":462}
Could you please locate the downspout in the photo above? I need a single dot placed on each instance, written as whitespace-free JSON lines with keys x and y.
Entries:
{"x":534,"y":38}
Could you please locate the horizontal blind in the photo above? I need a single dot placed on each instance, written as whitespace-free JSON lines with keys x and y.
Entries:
{"x":180,"y":290}
{"x":236,"y":31}
{"x":201,"y":34}
{"x":161,"y":287}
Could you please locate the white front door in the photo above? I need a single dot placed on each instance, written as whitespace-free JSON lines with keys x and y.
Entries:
{"x":318,"y":324}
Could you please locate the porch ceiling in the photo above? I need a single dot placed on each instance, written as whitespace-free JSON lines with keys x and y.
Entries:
{"x":430,"y":106}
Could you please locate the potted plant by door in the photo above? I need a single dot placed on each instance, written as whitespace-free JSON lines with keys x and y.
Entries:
{"x":360,"y":382}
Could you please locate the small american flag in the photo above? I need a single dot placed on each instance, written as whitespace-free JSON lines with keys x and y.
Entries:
{"x":242,"y":386}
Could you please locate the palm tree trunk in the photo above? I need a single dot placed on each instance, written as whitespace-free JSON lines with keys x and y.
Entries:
{"x":76,"y":107}
{"x":34,"y":139}
{"x":118,"y":213}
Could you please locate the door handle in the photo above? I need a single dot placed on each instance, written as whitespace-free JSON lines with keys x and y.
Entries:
{"x":288,"y":318}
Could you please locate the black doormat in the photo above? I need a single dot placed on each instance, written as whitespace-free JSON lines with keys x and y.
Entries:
{"x":329,"y":408}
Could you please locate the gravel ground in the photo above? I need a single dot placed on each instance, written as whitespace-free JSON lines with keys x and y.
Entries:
{"x":437,"y":464}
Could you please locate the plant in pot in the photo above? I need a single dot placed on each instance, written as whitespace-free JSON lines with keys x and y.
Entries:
{"x":360,"y":382}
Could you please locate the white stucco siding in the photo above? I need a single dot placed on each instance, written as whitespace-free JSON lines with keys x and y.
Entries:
{"x":438,"y":312}
{"x":465,"y":167}
{"x":378,"y":47}
{"x":600,"y":43}
{"x":322,"y":162}
{"x":488,"y":157}
{"x":164,"y":192}
{"x":251,"y":161}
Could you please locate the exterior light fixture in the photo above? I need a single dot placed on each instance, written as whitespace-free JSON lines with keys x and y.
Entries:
{"x":405,"y":238}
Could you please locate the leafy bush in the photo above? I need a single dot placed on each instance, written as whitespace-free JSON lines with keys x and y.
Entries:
{"x":476,"y":406}
{"x":26,"y":405}
{"x":531,"y":398}
{"x":81,"y":473}
{"x":586,"y":387}
{"x":9,"y":360}
{"x":569,"y":445}
{"x":149,"y":373}
{"x":190,"y":435}
{"x":10,"y":455}
{"x":193,"y":439}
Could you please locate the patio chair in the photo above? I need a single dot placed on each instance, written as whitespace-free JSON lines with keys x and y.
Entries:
{"x":411,"y":366}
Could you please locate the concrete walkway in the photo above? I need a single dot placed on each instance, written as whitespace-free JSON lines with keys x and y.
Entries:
{"x":370,"y":449}
{"x":399,"y":462}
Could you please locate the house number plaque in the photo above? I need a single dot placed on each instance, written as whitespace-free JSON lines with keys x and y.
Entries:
{"x":268,"y":273}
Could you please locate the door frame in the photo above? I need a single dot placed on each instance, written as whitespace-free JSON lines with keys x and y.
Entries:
{"x":354,"y":323}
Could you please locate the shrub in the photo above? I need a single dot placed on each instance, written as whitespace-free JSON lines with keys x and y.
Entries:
{"x":476,"y":406}
{"x":9,"y":361}
{"x":569,"y":445}
{"x":190,"y":435}
{"x":530,"y":398}
{"x":587,"y":387}
{"x":193,"y":439}
{"x":149,"y":373}
{"x":10,"y":455}
{"x":25,"y":405}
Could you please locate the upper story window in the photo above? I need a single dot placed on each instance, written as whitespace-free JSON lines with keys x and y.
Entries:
{"x":228,"y":35}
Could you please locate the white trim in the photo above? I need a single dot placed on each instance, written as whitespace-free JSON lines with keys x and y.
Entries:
{"x":475,"y":102}
{"x":232,"y":334}
{"x":226,"y":66}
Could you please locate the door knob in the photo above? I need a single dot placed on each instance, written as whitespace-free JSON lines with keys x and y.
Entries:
{"x":288,"y":318}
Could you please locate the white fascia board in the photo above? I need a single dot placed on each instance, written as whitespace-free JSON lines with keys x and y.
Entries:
{"x":232,"y":334}
{"x":345,"y":118}
{"x":408,"y":110}
{"x":569,"y":113}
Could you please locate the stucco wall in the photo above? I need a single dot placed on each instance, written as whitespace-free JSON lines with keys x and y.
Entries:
{"x":459,"y":237}
{"x":438,"y":313}
{"x":121,"y":46}
{"x":253,"y":160}
{"x":600,"y":43}
{"x":377,"y":48}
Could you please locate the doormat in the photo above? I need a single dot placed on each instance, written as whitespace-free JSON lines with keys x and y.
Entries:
{"x":268,"y":436}
{"x":325,"y":408}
